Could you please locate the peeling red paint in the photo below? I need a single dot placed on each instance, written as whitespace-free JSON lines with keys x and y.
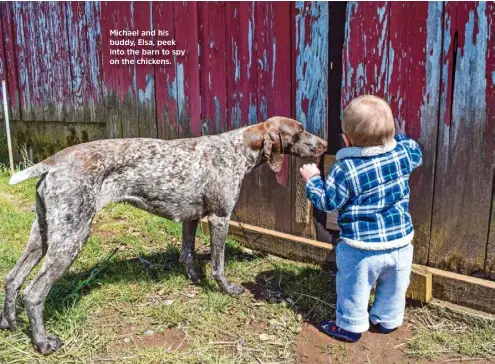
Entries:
{"x":186,"y":34}
{"x":165,"y":76}
{"x":406,"y":58}
{"x":10,"y":58}
{"x":213,"y":70}
{"x":365,"y":50}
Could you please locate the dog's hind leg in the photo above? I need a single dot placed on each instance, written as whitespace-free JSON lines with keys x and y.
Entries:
{"x":187,"y":253}
{"x":31,"y":256}
{"x":219,"y":228}
{"x":68,"y":228}
{"x":59,"y":257}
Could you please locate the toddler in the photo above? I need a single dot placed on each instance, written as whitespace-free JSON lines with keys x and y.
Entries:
{"x":369,"y":187}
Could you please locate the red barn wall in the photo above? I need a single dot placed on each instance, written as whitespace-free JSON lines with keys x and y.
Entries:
{"x":245,"y":61}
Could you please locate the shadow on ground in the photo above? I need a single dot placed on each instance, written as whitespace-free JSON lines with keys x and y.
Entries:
{"x":310,"y":291}
{"x":155,"y":267}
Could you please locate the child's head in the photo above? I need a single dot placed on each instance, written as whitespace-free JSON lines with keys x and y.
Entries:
{"x":368,"y":121}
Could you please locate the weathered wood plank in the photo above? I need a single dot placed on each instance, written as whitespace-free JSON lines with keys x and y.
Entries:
{"x":93,"y":15}
{"x":165,"y":76}
{"x":10,"y":66}
{"x":273,"y":61}
{"x":30,"y":78}
{"x":124,"y":14}
{"x":47,"y":49}
{"x":310,"y":71}
{"x":84,"y":61}
{"x":463,"y":190}
{"x":420,"y":287}
{"x":242,"y":89}
{"x":463,"y":290}
{"x":188,"y":95}
{"x":109,"y":76}
{"x":311,"y":251}
{"x":490,"y":102}
{"x":366,"y":52}
{"x":213,"y":67}
{"x":280,"y":244}
{"x":3,"y":63}
{"x":414,"y":54}
{"x":145,"y":74}
{"x":490,"y":110}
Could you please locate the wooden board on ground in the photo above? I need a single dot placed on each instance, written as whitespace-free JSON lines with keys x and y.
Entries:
{"x":312,"y":251}
{"x":280,"y":244}
{"x":426,"y":282}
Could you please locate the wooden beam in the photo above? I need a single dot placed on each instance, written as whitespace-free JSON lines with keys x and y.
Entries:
{"x":280,"y":244}
{"x":463,"y":290}
{"x":420,"y":287}
{"x":311,"y":251}
{"x":426,"y":282}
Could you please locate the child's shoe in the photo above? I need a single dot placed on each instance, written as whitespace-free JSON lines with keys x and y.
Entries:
{"x":330,"y":328}
{"x":384,"y":330}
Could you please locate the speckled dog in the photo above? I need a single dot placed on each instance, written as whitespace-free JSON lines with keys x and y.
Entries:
{"x":182,"y":180}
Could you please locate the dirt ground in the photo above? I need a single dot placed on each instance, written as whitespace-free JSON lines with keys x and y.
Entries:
{"x":316,"y":347}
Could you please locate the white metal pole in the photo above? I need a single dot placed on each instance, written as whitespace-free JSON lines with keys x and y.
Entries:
{"x":7,"y":124}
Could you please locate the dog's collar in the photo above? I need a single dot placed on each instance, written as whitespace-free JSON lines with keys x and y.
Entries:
{"x":353,"y":152}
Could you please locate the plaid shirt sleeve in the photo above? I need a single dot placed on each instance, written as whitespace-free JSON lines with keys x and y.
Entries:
{"x":331,"y":194}
{"x":413,"y":150}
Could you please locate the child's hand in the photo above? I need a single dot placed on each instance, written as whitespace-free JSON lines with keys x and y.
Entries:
{"x":309,"y":170}
{"x":400,"y":127}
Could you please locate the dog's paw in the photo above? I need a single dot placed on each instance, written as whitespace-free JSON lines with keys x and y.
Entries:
{"x":7,"y":324}
{"x":51,"y":344}
{"x":194,"y":275}
{"x":234,"y":289}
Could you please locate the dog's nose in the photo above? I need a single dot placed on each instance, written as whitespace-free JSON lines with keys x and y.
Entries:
{"x":324,"y":143}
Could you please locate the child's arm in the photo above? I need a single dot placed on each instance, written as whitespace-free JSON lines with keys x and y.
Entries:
{"x":327,"y":195}
{"x":412,"y":147}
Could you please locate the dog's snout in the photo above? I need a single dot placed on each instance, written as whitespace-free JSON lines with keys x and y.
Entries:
{"x":324,"y":143}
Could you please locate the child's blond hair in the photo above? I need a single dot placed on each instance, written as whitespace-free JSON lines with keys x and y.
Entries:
{"x":368,"y":121}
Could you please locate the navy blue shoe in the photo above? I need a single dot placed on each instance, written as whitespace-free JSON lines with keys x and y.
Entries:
{"x":384,"y":330}
{"x":330,"y":328}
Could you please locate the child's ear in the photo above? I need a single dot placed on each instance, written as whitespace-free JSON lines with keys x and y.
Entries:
{"x":346,"y":140}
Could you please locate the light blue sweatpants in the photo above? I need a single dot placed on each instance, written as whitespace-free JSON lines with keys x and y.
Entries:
{"x":358,"y":271}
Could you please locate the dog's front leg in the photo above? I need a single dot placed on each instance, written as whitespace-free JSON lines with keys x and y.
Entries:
{"x":219,"y":227}
{"x":187,"y":253}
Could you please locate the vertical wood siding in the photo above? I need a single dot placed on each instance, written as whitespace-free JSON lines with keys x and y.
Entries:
{"x":246,"y":61}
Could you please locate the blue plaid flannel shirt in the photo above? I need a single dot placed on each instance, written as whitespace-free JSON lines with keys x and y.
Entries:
{"x":371,"y":193}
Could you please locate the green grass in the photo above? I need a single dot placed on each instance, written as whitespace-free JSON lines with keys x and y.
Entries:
{"x":127,"y":281}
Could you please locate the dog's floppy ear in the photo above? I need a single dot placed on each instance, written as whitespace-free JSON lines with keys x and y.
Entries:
{"x":272,"y":149}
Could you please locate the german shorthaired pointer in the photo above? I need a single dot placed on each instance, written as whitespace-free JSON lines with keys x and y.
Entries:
{"x":182,"y":180}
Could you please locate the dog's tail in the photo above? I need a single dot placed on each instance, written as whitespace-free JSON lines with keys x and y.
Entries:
{"x":34,"y":171}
